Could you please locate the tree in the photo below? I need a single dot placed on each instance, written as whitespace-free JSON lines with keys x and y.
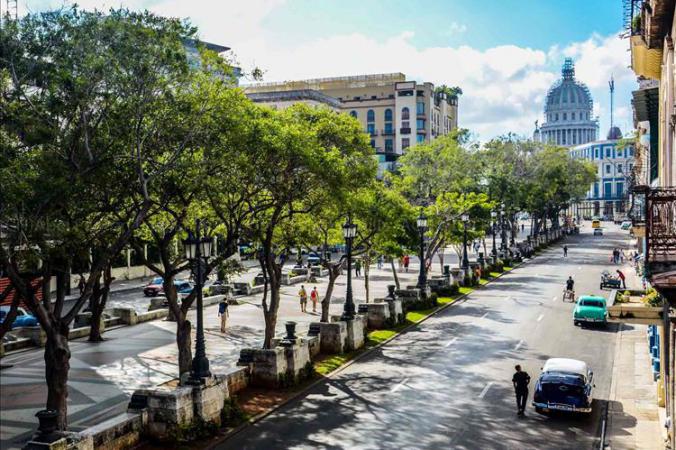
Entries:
{"x":82,"y":92}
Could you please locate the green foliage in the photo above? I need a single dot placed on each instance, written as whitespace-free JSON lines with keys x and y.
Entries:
{"x":232,"y":414}
{"x":652,"y":298}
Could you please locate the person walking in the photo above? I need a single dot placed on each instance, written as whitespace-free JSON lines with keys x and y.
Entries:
{"x":407,"y":260}
{"x":621,"y":275}
{"x":314,"y":297}
{"x":357,"y":268}
{"x":81,"y":283}
{"x":565,"y":251}
{"x":622,"y":256}
{"x":223,"y":314}
{"x":303,"y":298}
{"x":520,"y":380}
{"x":379,"y":262}
{"x":523,"y":227}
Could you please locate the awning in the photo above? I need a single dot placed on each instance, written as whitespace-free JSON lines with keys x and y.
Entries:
{"x":646,"y":105}
{"x":645,"y":61}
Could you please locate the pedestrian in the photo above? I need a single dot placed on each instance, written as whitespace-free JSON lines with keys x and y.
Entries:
{"x":622,"y":256}
{"x":223,"y":314}
{"x":521,"y":380}
{"x":616,"y":256}
{"x":314,"y":297}
{"x":303,"y":298}
{"x":357,"y":268}
{"x":523,"y":227}
{"x":565,"y":250}
{"x":379,"y":262}
{"x":407,"y":260}
{"x":621,"y":275}
{"x":81,"y":283}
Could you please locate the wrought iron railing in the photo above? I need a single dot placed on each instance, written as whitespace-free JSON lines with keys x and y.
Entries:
{"x":661,"y":226}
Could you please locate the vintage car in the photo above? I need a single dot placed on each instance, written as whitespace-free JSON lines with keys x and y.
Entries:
{"x":625,"y":225}
{"x":590,"y":309}
{"x":564,"y":385}
{"x":155,"y":287}
{"x":598,"y":231}
{"x":23,"y":318}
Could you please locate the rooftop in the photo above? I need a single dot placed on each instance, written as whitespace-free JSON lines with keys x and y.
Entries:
{"x":379,"y":79}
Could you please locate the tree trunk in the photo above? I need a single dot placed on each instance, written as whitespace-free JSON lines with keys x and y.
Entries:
{"x":57,"y":365}
{"x":334,"y":272}
{"x":394,"y":274}
{"x":271,"y":316}
{"x":184,"y":344}
{"x":367,"y":264}
{"x":440,"y":255}
{"x":97,"y":304}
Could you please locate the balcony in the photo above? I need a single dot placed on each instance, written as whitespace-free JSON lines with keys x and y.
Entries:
{"x":372,"y":133}
{"x":421,"y":131}
{"x":387,"y":132}
{"x":661,"y":229}
{"x":404,"y":131}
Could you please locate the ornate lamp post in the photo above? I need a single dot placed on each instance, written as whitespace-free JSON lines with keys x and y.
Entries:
{"x":349,"y":233}
{"x":494,"y":215}
{"x":503,"y":235}
{"x":422,"y":227}
{"x":197,"y":251}
{"x":465,"y":259}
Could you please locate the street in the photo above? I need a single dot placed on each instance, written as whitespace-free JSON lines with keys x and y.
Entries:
{"x":447,"y":382}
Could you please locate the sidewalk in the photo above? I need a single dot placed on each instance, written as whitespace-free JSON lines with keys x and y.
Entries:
{"x":633,"y":419}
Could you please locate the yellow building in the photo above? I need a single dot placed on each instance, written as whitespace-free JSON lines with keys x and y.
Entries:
{"x":396,"y":113}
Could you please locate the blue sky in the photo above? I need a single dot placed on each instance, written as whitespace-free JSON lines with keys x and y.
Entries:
{"x":503,"y":53}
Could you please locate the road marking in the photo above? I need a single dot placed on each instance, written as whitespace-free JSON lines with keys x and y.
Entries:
{"x":398,"y":386}
{"x":484,"y":316}
{"x":449,"y":343}
{"x":579,"y":267}
{"x":554,"y":298}
{"x":483,"y":393}
{"x":540,"y":317}
{"x":518,"y":345}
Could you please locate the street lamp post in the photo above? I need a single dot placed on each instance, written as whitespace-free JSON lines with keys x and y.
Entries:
{"x":494,"y":214}
{"x":422,"y":227}
{"x":503,"y":235}
{"x":197,"y":251}
{"x":465,"y":259}
{"x":349,"y":233}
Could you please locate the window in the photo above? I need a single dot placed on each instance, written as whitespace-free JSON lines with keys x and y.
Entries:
{"x":388,"y":115}
{"x":631,"y":151}
{"x":388,"y":128}
{"x":357,"y":98}
{"x":607,"y":190}
{"x":564,"y":116}
{"x":405,"y":114}
{"x":405,"y":143}
{"x":405,"y":93}
{"x":421,"y":93}
{"x":619,"y":168}
{"x":572,"y":116}
{"x":373,"y":143}
{"x":596,"y":190}
{"x":556,"y":116}
{"x":420,"y":138}
{"x":370,"y":116}
{"x":405,"y":124}
{"x":607,"y":168}
{"x":420,"y":108}
{"x":607,"y":152}
{"x":420,"y":123}
{"x":631,"y":166}
{"x":619,"y":189}
{"x":596,"y":153}
{"x":371,"y":129}
{"x":353,"y":113}
{"x":388,"y":145}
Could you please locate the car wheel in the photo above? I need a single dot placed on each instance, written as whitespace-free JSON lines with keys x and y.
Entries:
{"x":576,"y":323}
{"x":539,"y":410}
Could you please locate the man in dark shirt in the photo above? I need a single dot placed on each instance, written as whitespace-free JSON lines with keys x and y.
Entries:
{"x":521,"y":380}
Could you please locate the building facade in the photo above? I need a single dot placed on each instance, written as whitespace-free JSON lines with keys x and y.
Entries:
{"x":394,"y":112}
{"x":608,"y":195}
{"x":568,"y":112}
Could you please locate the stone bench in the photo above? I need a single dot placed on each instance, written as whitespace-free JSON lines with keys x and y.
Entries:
{"x":377,"y":314}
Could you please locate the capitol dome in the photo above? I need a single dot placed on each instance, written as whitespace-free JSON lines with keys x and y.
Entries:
{"x":568,"y":112}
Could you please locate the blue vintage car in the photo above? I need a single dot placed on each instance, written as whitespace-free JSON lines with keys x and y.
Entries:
{"x":564,"y":385}
{"x":23,"y":318}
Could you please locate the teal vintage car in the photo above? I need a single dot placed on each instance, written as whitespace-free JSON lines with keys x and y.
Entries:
{"x":590,"y":309}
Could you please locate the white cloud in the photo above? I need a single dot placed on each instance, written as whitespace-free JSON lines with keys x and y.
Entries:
{"x":504,"y":86}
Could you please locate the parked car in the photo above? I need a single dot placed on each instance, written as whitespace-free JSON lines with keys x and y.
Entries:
{"x":596,"y":223}
{"x":155,"y":287}
{"x":598,"y":231}
{"x":590,"y":309}
{"x":564,"y":385}
{"x":23,"y":318}
{"x":625,"y":225}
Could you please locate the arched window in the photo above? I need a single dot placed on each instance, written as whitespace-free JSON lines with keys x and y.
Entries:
{"x":353,"y":113}
{"x":388,"y":115}
{"x":404,"y":113}
{"x":370,"y":116}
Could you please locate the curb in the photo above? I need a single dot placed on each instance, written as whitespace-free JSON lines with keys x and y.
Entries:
{"x":322,"y":379}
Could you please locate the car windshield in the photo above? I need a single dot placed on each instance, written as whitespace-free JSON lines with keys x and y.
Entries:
{"x":592,"y":303}
{"x":573,"y":379}
{"x":157,"y":280}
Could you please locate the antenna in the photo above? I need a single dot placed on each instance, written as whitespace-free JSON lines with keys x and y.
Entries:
{"x":611,"y":85}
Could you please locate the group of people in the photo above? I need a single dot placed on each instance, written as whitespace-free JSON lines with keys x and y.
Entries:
{"x":314,"y":298}
{"x":618,"y":256}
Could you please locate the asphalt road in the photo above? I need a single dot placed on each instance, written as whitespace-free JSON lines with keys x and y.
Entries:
{"x":447,"y":383}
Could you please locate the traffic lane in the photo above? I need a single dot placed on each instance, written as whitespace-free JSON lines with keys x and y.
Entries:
{"x":438,"y":377}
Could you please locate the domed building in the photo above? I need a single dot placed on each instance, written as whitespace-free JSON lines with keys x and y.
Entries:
{"x":568,"y":112}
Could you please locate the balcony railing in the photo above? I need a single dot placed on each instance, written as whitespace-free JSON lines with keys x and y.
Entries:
{"x":387,"y":132}
{"x":420,"y":131}
{"x":404,"y":130}
{"x":661,"y":227}
{"x":372,"y":132}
